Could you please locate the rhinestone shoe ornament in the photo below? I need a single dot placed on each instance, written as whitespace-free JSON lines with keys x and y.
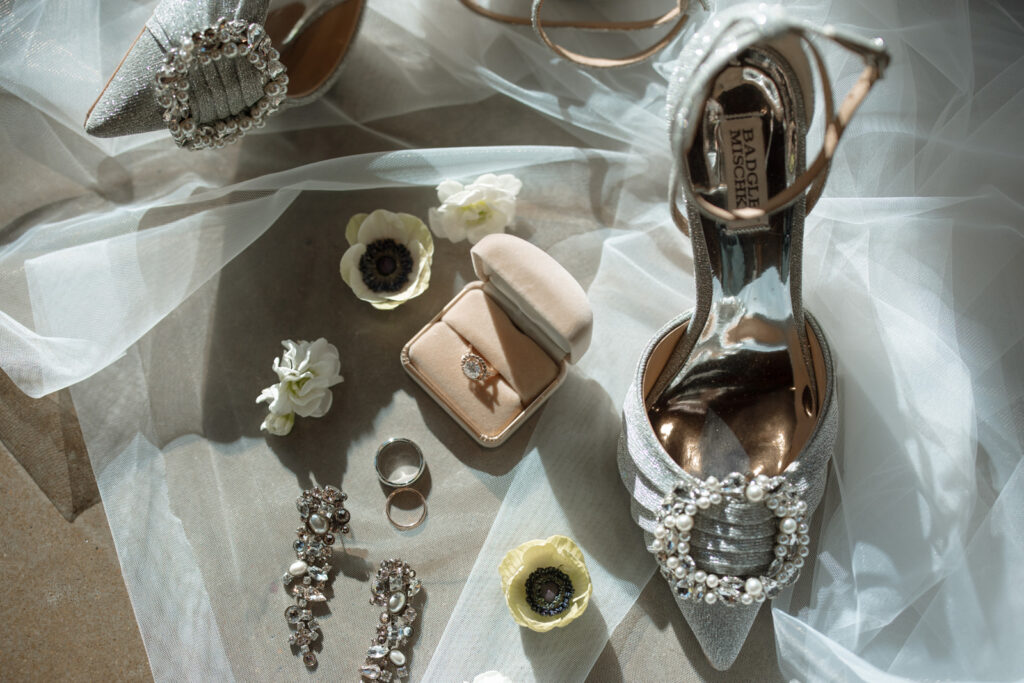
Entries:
{"x":324,"y":517}
{"x":224,"y":40}
{"x":679,"y":512}
{"x":393,"y":589}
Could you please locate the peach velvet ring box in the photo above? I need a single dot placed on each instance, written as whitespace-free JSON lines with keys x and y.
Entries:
{"x":526,"y":317}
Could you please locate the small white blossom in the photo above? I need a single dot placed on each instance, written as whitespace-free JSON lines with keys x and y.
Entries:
{"x":278,"y":425}
{"x":492,"y":677}
{"x":307,"y":371}
{"x":484,"y":207}
{"x":389,"y":259}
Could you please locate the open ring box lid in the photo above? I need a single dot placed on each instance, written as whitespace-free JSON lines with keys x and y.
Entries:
{"x":526,"y":316}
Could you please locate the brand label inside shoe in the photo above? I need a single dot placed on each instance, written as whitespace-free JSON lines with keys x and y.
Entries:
{"x":745,"y":161}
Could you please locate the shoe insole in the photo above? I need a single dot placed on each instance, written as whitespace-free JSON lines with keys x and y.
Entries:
{"x":317,"y":51}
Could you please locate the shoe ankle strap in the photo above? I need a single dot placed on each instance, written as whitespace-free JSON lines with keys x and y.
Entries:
{"x":876,"y":59}
{"x":813,"y":179}
{"x":677,"y":14}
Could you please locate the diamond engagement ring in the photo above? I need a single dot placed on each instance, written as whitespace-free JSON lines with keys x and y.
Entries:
{"x":474,"y":367}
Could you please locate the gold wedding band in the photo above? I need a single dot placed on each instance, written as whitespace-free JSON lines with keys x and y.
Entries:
{"x":391,"y":498}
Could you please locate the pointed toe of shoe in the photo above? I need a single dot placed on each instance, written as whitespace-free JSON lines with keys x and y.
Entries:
{"x":127,"y":104}
{"x":720,"y":631}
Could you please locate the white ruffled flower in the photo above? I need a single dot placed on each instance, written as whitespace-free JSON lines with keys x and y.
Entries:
{"x":278,"y":425}
{"x":484,"y":207}
{"x":390,"y":257}
{"x":492,"y":677}
{"x":307,"y":371}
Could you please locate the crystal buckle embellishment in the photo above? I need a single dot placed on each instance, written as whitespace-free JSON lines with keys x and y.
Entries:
{"x":226,"y":39}
{"x":323,"y":516}
{"x":671,"y":545}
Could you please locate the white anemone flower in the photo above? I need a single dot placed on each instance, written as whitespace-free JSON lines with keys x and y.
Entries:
{"x":389,"y":259}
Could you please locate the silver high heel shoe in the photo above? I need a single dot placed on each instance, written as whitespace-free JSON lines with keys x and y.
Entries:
{"x":732,"y":416}
{"x":210,"y":70}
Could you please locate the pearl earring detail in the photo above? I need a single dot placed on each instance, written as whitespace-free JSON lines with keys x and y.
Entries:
{"x":323,"y":516}
{"x":393,"y":589}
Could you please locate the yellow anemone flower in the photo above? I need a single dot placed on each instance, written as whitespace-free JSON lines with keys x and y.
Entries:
{"x":546,"y":583}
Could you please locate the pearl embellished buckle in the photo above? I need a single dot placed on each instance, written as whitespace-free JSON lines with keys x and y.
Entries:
{"x":226,"y":39}
{"x":676,"y":518}
{"x":394,"y":588}
{"x":323,"y":516}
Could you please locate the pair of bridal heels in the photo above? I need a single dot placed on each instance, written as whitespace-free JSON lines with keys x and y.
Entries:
{"x":732,"y":416}
{"x":210,"y":70}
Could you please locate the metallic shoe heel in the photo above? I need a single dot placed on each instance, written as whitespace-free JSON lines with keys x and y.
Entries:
{"x":732,"y":416}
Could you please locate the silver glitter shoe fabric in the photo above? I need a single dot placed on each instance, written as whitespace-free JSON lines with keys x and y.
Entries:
{"x":734,"y":539}
{"x":218,"y":89}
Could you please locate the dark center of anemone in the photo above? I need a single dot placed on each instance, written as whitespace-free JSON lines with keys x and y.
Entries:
{"x":386,"y":266}
{"x":549,"y":591}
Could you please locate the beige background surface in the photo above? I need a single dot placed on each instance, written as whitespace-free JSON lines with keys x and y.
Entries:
{"x":65,"y":615}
